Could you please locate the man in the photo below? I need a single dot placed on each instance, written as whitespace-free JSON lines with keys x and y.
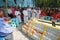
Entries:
{"x":29,"y":12}
{"x":5,"y":28}
{"x":34,"y":13}
{"x":9,"y":11}
{"x":18,"y":15}
{"x":25,"y":13}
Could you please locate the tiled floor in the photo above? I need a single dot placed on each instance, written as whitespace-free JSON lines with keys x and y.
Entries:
{"x":17,"y":35}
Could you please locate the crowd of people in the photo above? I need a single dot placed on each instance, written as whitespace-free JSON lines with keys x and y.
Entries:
{"x":27,"y":12}
{"x":52,"y":12}
{"x":23,"y":14}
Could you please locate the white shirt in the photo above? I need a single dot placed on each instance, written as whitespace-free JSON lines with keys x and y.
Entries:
{"x":25,"y":12}
{"x":34,"y":13}
{"x":17,"y":13}
{"x":29,"y":9}
{"x":9,"y":11}
{"x":39,"y":11}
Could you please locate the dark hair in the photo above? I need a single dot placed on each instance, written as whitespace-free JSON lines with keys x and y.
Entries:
{"x":1,"y":10}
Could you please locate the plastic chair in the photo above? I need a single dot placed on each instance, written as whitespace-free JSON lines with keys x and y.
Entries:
{"x":16,"y":21}
{"x":12,"y":23}
{"x":58,"y":20}
{"x":2,"y":38}
{"x":47,"y":18}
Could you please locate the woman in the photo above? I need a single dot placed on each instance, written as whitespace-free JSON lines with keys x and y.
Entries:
{"x":5,"y":28}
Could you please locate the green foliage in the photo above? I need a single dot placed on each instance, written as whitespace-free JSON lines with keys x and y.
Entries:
{"x":47,"y":3}
{"x":39,"y":3}
{"x":58,"y":3}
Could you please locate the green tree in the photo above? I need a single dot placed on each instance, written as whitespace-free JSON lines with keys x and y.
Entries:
{"x":39,"y":3}
{"x":58,"y":3}
{"x":47,"y":3}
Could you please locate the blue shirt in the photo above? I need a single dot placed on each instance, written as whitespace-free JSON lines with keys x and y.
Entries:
{"x":5,"y":28}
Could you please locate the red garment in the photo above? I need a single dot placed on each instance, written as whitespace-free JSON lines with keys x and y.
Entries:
{"x":4,"y":15}
{"x":13,"y":11}
{"x":54,"y":15}
{"x":43,"y":14}
{"x":57,"y":16}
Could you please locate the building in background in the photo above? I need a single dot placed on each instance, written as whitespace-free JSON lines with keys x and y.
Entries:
{"x":21,"y":3}
{"x":2,"y":3}
{"x":25,"y":3}
{"x":11,"y":3}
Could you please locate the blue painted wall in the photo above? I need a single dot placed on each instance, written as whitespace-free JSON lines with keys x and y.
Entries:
{"x":27,"y":2}
{"x":2,"y":3}
{"x":19,"y":2}
{"x":22,"y":3}
{"x":11,"y":3}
